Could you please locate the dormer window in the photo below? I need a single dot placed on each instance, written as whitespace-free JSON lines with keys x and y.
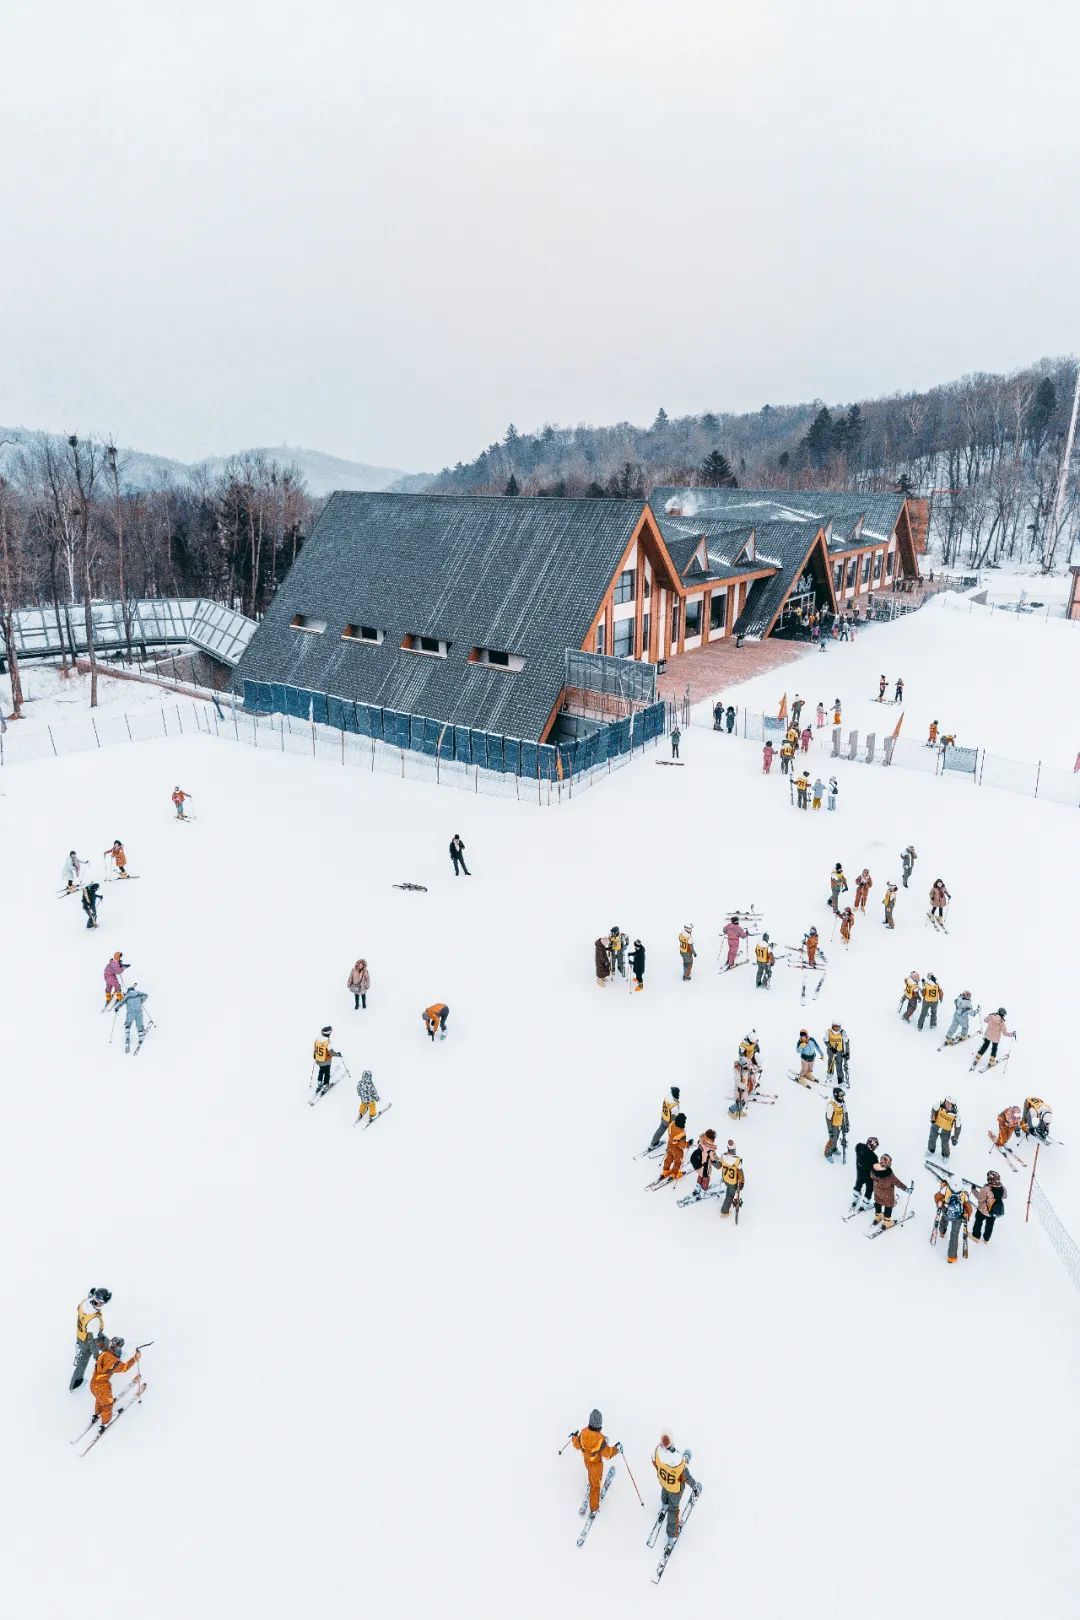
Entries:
{"x":363,"y":632}
{"x":496,"y":659}
{"x":431,"y":646}
{"x":301,"y":621}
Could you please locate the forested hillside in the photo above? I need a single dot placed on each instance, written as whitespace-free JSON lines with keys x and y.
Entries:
{"x":987,"y":447}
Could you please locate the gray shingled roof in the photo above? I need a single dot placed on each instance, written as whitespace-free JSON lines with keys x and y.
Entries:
{"x":754,"y":507}
{"x":518,"y":575}
{"x":683,"y":535}
{"x":786,"y":544}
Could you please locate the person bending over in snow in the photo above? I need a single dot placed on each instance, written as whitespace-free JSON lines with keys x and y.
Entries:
{"x":435,"y":1018}
{"x":89,"y":903}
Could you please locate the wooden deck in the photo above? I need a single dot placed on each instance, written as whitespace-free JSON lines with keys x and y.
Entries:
{"x":718,"y":667}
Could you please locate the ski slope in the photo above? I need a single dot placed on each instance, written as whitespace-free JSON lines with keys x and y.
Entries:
{"x":370,"y":1344}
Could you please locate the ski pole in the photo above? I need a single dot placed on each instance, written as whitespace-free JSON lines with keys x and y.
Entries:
{"x":633,"y":1481}
{"x":112,"y":1031}
{"x":344,"y":1065}
{"x":563,"y":1448}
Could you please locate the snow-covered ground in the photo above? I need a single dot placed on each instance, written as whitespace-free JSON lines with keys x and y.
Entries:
{"x":369,"y":1345}
{"x":1001,"y":681}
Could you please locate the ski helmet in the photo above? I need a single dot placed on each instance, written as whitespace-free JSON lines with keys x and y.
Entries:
{"x":676,"y":1093}
{"x":680,"y":1120}
{"x":765,"y":938}
{"x":837,"y":1093}
{"x":596,"y":1419}
{"x":99,"y":1296}
{"x":1001,"y":1012}
{"x":731,"y":1145}
{"x":116,"y":1346}
{"x":871,"y":1141}
{"x":839,"y":868}
{"x":327,"y":1029}
{"x":949,"y":1103}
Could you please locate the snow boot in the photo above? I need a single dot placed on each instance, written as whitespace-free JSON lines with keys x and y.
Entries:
{"x":877,"y":1220}
{"x":887,"y":1221}
{"x":951,"y":1259}
{"x":991,"y":1063}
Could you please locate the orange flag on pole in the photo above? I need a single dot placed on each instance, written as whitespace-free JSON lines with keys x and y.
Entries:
{"x":783,"y":708}
{"x":899,"y":723}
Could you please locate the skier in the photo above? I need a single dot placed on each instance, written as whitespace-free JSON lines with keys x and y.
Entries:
{"x":89,"y":903}
{"x":116,"y":854}
{"x":115,"y":967}
{"x":359,"y":983}
{"x":749,"y":1052}
{"x":617,"y":943}
{"x":962,"y":1013}
{"x":989,"y":1207}
{"x":939,"y":899}
{"x":734,"y":933}
{"x":838,"y":1048}
{"x":932,"y":995}
{"x":796,"y":710}
{"x":637,"y":965}
{"x":787,"y":751}
{"x":836,"y":1121}
{"x":766,"y":961}
{"x":933,"y":734}
{"x":674,"y":1475}
{"x":808,"y":1049}
{"x":1009,"y":1124}
{"x":802,"y":787}
{"x":890,"y":904}
{"x":729,"y":718}
{"x":810,"y":946}
{"x":817,"y":793}
{"x":863,"y":884}
{"x":881,"y":685}
{"x":806,"y":737}
{"x":603,"y":963}
{"x":993,"y":1030}
{"x":1037,"y":1119}
{"x":87,"y":1313}
{"x":886,"y":1186}
{"x":847,"y":923}
{"x":108,"y":1363}
{"x":676,"y":738}
{"x":731,"y":1174}
{"x":133,"y":1000}
{"x":717,"y":715}
{"x":820,"y":715}
{"x":676,"y":1147}
{"x":834,"y":793}
{"x":954,"y":1212}
{"x":907,"y":863}
{"x":911,"y":994}
{"x":179,"y":799}
{"x":457,"y":856}
{"x":745,"y":1083}
{"x":324,"y":1055}
{"x":686,"y":950}
{"x":595,"y":1448}
{"x":435,"y":1018}
{"x":836,"y":712}
{"x":369,"y":1097}
{"x":71,"y":871}
{"x":668,"y":1109}
{"x":865,"y":1160}
{"x":898,"y":695}
{"x":767,"y":758}
{"x":837,"y":887}
{"x":703,"y":1158}
{"x":944,"y":1124}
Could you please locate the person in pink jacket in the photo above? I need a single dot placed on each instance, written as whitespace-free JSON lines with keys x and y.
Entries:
{"x":993,"y":1030}
{"x":734,"y":934}
{"x":114,"y":967}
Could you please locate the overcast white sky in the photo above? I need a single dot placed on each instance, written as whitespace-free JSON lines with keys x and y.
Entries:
{"x":387,"y":230}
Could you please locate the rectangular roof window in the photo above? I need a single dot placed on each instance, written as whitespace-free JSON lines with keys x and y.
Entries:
{"x":497,"y":659}
{"x":362,"y":632}
{"x":301,"y":621}
{"x":432,"y":646}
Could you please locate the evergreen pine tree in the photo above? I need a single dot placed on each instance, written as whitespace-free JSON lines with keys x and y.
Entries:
{"x":715,"y":472}
{"x":661,"y":420}
{"x":818,"y":438}
{"x":1040,"y":415}
{"x":511,"y":486}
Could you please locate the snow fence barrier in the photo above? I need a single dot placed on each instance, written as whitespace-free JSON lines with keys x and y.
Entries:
{"x":1062,"y":1242}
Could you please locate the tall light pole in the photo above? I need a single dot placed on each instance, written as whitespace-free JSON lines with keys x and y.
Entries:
{"x":110,"y":451}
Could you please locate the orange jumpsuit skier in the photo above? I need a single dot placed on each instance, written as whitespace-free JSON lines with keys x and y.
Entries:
{"x":676,"y":1147}
{"x":108,"y":1363}
{"x":435,"y":1018}
{"x":594,"y":1447}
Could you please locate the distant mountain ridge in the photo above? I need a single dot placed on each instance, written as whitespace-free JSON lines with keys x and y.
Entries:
{"x":322,"y":473}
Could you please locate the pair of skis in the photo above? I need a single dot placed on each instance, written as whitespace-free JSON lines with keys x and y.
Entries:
{"x":670,"y":1548}
{"x":371,"y":1118}
{"x":583,"y":1510}
{"x":1010,"y":1155}
{"x":139,"y":1386}
{"x":938,"y":922}
{"x":906,"y":1214}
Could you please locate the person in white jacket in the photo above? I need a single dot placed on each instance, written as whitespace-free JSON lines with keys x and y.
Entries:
{"x":71,"y":871}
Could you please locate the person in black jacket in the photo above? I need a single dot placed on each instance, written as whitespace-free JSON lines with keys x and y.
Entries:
{"x":637,"y":965}
{"x":90,"y":903}
{"x":729,"y":718}
{"x":865,"y":1159}
{"x":457,"y":855}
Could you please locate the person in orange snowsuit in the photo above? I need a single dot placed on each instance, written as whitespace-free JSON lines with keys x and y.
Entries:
{"x":676,"y":1147}
{"x":116,"y":853}
{"x":435,"y":1018}
{"x":1008,"y":1124}
{"x":593,"y":1444}
{"x":108,"y":1363}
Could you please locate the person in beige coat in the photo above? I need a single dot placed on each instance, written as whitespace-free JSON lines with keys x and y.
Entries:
{"x":359,"y":983}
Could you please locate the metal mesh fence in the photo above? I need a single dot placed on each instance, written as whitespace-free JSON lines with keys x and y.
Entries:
{"x":1067,"y":1251}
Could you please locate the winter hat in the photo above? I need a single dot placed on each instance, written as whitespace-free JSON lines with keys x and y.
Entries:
{"x":731,"y":1145}
{"x":688,"y":928}
{"x":596,"y":1419}
{"x":680,"y":1120}
{"x":667,"y":1443}
{"x":327,"y":1029}
{"x":1001,"y":1012}
{"x":676,"y":1093}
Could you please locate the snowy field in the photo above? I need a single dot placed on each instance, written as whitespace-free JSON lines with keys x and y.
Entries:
{"x":369,"y":1345}
{"x":997,"y":680}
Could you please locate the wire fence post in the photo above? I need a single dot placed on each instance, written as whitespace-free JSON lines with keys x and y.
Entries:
{"x":1038,"y":774}
{"x":1031,"y":1183}
{"x":97,"y":739}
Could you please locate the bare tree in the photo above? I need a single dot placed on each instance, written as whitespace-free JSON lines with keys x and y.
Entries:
{"x":11,"y":552}
{"x":85,"y":464}
{"x":118,"y":511}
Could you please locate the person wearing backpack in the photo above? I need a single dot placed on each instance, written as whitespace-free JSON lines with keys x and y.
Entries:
{"x":990,"y":1207}
{"x":702,"y":1159}
{"x":954,"y":1212}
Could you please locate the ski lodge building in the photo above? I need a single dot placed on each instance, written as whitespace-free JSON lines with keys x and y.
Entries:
{"x":519,"y":617}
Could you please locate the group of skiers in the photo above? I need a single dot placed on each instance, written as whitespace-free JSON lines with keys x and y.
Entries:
{"x":670,"y":1465}
{"x":898,"y":693}
{"x":809,"y":796}
{"x":706,"y":1155}
{"x":92,"y":1343}
{"x":610,"y":953}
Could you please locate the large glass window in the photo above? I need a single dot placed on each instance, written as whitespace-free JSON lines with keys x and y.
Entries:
{"x":600,"y":638}
{"x":693,"y":617}
{"x":852,"y":573}
{"x":624,"y":638}
{"x":890,"y":562}
{"x":877,"y":566}
{"x":624,"y":586}
{"x":644,"y":635}
{"x":838,"y":576}
{"x":866,"y":569}
{"x":718,"y":610}
{"x":674,"y":626}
